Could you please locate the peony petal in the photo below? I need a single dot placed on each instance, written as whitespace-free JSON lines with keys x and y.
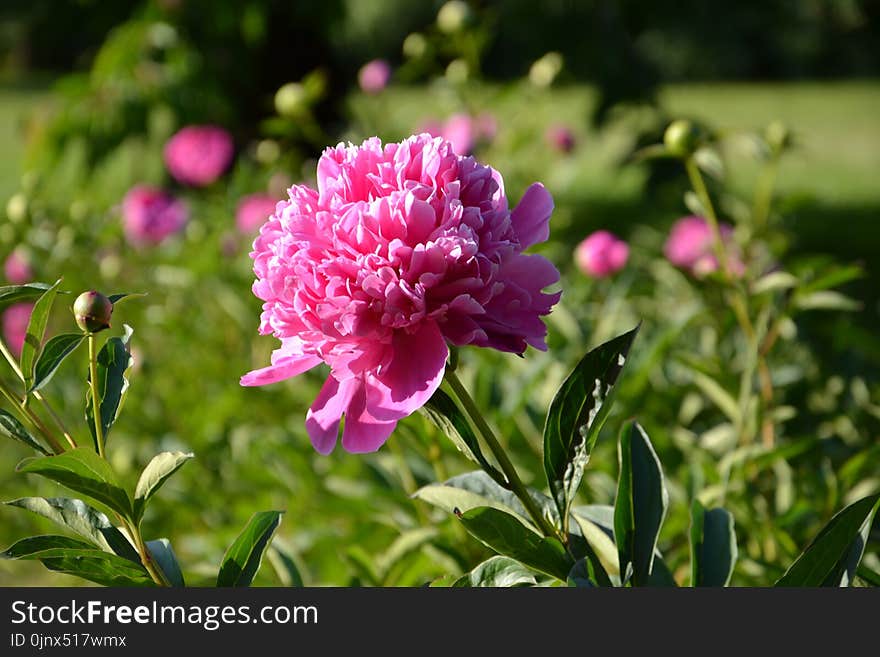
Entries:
{"x":414,"y":373}
{"x":284,"y":368}
{"x":531,"y":217}
{"x":362,"y":432}
{"x":322,"y":420}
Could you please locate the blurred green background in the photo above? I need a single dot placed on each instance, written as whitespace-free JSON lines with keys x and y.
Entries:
{"x":84,"y":114}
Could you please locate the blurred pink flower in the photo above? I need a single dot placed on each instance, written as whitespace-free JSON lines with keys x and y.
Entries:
{"x":199,"y":154}
{"x":374,"y":75}
{"x":253,"y":211}
{"x":402,"y":249}
{"x":560,"y":137}
{"x":15,"y":323}
{"x":689,"y":246}
{"x":463,"y":130}
{"x":17,"y":268}
{"x":601,"y":254}
{"x":150,"y":214}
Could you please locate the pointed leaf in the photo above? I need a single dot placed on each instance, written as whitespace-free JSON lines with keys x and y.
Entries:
{"x":640,"y":505}
{"x":576,"y":415}
{"x":507,"y":535}
{"x":12,"y":428}
{"x":85,"y":472}
{"x":602,"y":549}
{"x":35,"y":546}
{"x":36,"y":329}
{"x":154,"y":475}
{"x":442,"y":411}
{"x":243,"y":558}
{"x":163,"y":554}
{"x":285,"y":566}
{"x":833,"y":557}
{"x":713,"y":546}
{"x":82,"y":519}
{"x":54,"y":352}
{"x":116,"y":298}
{"x":114,"y":360}
{"x":10,"y":294}
{"x":497,"y":572}
{"x":99,"y":567}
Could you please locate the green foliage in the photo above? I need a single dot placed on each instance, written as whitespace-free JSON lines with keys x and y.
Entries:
{"x":243,"y":558}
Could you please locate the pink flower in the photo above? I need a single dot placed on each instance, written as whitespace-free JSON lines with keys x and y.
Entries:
{"x":401,"y":250}
{"x":199,"y":154}
{"x":150,"y":215}
{"x":17,"y":268}
{"x":689,"y":246}
{"x":601,"y":254}
{"x":560,"y":137}
{"x":253,"y":211}
{"x":15,"y":323}
{"x":373,"y":76}
{"x":463,"y":130}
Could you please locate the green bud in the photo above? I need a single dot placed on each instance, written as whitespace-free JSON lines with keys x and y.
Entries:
{"x":290,"y":99}
{"x":544,"y":70}
{"x":457,"y":72}
{"x":415,"y":45}
{"x":453,"y":16}
{"x":17,"y":208}
{"x":777,"y":136}
{"x":682,"y":138}
{"x":92,"y":311}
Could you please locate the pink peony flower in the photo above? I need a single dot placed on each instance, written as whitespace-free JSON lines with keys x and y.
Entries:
{"x":199,"y":154}
{"x":253,"y":211}
{"x":17,"y":268}
{"x":561,"y":138}
{"x":150,"y":215}
{"x":373,"y":76}
{"x":601,"y":254}
{"x":401,"y":250}
{"x":15,"y":323}
{"x":689,"y":246}
{"x":463,"y":130}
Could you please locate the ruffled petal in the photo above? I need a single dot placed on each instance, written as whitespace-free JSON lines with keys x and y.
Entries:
{"x":287,"y":361}
{"x":363,"y":432}
{"x":531,"y":217}
{"x":322,"y":420}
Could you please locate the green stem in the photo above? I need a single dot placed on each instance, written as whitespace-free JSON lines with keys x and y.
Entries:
{"x":146,"y":559}
{"x":33,"y":418}
{"x":764,"y":194}
{"x":516,"y":484}
{"x":699,"y":186}
{"x":45,"y":402}
{"x":96,"y":400}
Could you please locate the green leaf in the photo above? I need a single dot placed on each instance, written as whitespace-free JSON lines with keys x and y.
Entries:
{"x":163,"y":554}
{"x":498,"y":572}
{"x":56,"y":350}
{"x":826,"y":300}
{"x":601,"y":549}
{"x":576,"y":416}
{"x":82,"y":519}
{"x":407,"y":543}
{"x":85,"y":472}
{"x":584,"y":575}
{"x":76,"y":557}
{"x":508,"y":536}
{"x":713,"y":546}
{"x":157,"y":472}
{"x":442,"y":411}
{"x":243,"y":558}
{"x":12,"y":428}
{"x":36,"y":329}
{"x":833,"y":557}
{"x":640,"y":505}
{"x":10,"y":294}
{"x":709,"y":160}
{"x":34,"y":546}
{"x":718,"y":395}
{"x":285,"y":566}
{"x":116,"y":298}
{"x":114,"y":360}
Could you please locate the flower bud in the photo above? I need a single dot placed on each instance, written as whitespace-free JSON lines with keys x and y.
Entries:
{"x":544,"y":70}
{"x":290,"y":100}
{"x":681,"y":138}
{"x":453,"y":16}
{"x":415,"y":45}
{"x":92,"y":311}
{"x":457,"y":72}
{"x":778,"y":137}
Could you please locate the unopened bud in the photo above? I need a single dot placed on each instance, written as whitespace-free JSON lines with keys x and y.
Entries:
{"x":778,"y":137}
{"x":682,"y":138}
{"x":290,"y":99}
{"x":92,"y":311}
{"x":453,"y":16}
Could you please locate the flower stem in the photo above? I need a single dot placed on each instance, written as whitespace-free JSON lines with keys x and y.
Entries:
{"x":146,"y":559}
{"x":764,"y":194}
{"x":96,"y":400}
{"x":45,"y":402}
{"x":33,"y":418}
{"x":516,"y":484}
